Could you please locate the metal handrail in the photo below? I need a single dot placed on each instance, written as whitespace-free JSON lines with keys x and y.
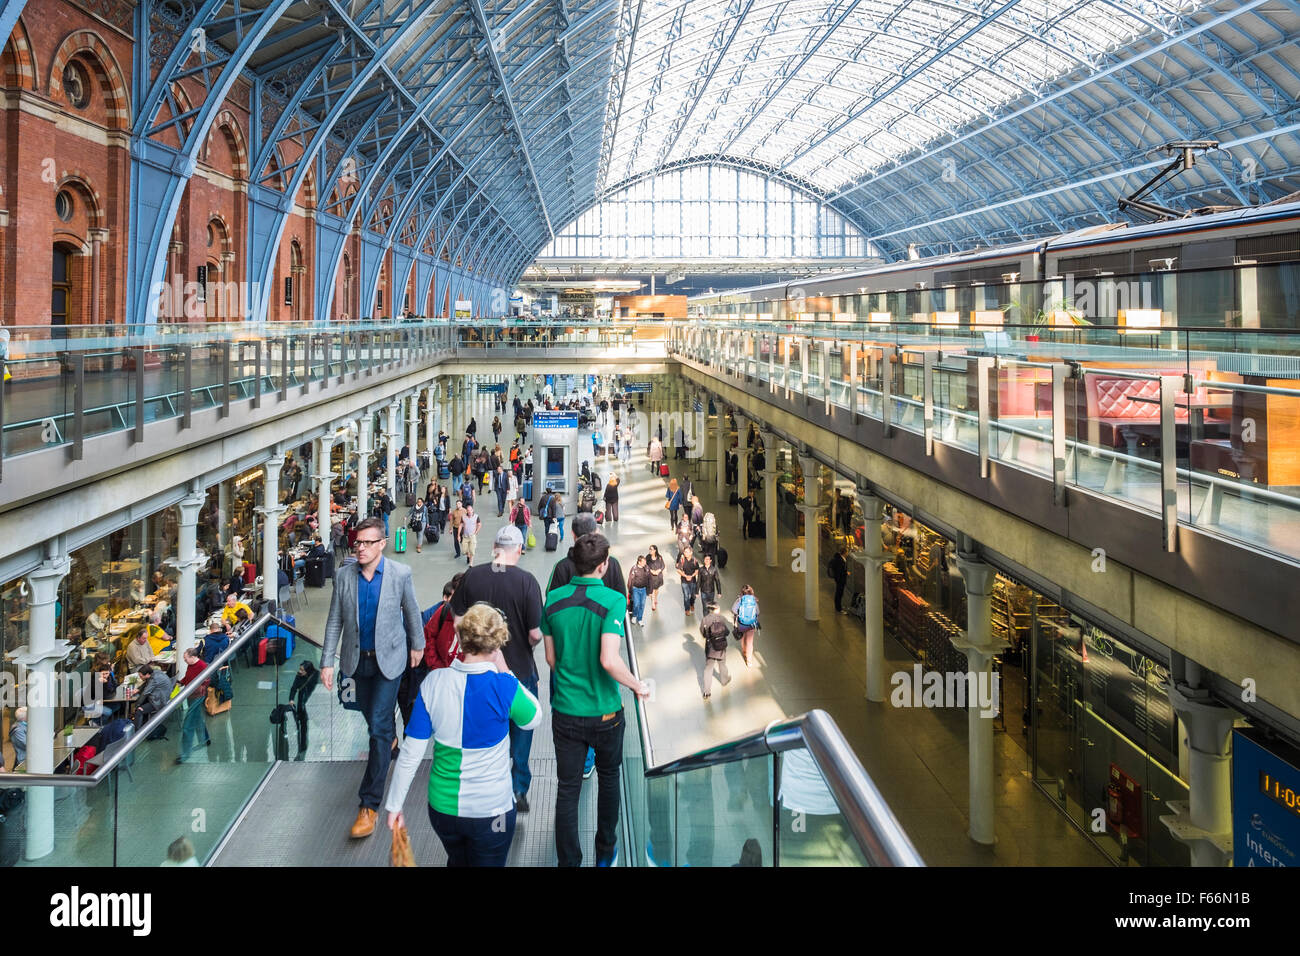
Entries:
{"x":140,"y":736}
{"x":879,"y":834}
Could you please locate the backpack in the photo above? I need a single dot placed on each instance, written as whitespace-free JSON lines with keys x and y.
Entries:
{"x":747,"y":611}
{"x":441,"y":645}
{"x":544,"y":509}
{"x":717,"y":640}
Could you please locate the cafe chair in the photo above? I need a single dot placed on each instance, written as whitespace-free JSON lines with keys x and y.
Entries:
{"x":97,"y":761}
{"x":284,"y":597}
{"x":299,"y":591}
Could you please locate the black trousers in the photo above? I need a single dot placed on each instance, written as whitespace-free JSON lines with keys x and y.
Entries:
{"x":573,"y":736}
{"x":839,"y":595}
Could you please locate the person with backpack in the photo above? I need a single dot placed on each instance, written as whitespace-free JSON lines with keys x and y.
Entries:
{"x":415,"y":521}
{"x":708,"y":536}
{"x":745,"y":614}
{"x":522,"y":519}
{"x":838,"y":569}
{"x":468,"y":495}
{"x":528,"y":463}
{"x":714,"y":630}
{"x":385,"y":507}
{"x":457,"y":468}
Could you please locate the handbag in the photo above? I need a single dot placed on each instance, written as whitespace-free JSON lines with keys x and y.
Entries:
{"x":532,"y":540}
{"x":401,"y":854}
{"x":214,"y":704}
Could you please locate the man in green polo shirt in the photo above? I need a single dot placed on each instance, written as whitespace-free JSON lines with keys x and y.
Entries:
{"x":582,"y":622}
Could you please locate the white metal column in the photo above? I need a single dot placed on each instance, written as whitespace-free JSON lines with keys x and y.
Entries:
{"x":391,"y":437}
{"x":872,"y":557}
{"x":39,"y":657}
{"x":323,"y":475}
{"x":187,"y":562}
{"x":980,"y":648}
{"x":270,"y":511}
{"x":811,"y":544}
{"x":769,"y":495}
{"x":365,"y":447}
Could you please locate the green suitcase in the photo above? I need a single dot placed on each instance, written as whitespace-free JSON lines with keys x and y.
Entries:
{"x":400,"y":541}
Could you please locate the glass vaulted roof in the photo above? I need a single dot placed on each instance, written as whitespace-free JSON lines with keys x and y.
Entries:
{"x":831,"y":92}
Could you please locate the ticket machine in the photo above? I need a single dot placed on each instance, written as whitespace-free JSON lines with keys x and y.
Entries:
{"x":555,"y":452}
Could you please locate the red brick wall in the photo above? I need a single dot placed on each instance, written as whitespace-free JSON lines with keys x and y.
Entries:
{"x":47,"y":143}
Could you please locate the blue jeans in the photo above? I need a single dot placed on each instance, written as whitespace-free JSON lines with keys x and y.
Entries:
{"x":385,"y":517}
{"x":456,"y":481}
{"x":638,"y":603}
{"x":521,"y":745}
{"x":561,"y":531}
{"x":688,"y":595}
{"x":193,"y":727}
{"x":376,"y":696}
{"x":474,"y":841}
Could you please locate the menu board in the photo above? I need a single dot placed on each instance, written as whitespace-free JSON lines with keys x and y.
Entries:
{"x":1123,"y":686}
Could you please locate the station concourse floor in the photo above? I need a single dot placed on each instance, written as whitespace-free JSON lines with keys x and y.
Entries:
{"x":917,"y":757}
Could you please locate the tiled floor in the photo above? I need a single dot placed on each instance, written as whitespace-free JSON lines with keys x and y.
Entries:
{"x":917,"y":757}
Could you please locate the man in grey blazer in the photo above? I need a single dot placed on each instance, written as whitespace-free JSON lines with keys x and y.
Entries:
{"x":373,"y":630}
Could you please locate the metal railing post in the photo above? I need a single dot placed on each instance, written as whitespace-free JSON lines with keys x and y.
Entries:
{"x":928,"y":361}
{"x":1059,"y":374}
{"x":139,"y":352}
{"x":257,"y":370}
{"x":980,"y":365}
{"x":284,"y":369}
{"x":187,"y":380}
{"x":225,"y":379}
{"x":1169,"y":385}
{"x":887,"y":390}
{"x":78,"y":403}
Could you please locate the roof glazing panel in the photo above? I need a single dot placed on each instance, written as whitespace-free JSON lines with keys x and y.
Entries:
{"x":831,"y":92}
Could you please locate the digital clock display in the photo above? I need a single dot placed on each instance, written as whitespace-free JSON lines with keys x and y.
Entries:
{"x":1280,"y":794}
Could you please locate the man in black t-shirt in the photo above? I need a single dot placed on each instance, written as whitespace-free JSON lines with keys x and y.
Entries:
{"x":564,"y":571}
{"x":515,"y":593}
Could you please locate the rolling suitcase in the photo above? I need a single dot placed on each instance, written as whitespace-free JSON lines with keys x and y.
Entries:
{"x":399,"y":541}
{"x":410,"y":499}
{"x":261,"y":651}
{"x":444,"y":471}
{"x":552,"y":540}
{"x":722,"y":558}
{"x":733,"y":499}
{"x":250,"y":572}
{"x":663,"y":470}
{"x":315,"y":573}
{"x":430,"y":535}
{"x":329,"y":565}
{"x":758,"y":529}
{"x":527,"y":490}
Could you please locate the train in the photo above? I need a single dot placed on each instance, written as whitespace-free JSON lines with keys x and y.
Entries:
{"x":1233,"y":268}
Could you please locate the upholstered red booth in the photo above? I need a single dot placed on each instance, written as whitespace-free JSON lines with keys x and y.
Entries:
{"x":1116,"y":416}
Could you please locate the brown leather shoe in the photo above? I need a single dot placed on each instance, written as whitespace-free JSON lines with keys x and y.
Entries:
{"x":365,"y":824}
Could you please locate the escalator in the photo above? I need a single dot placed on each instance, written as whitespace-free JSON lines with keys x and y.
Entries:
{"x":791,"y":794}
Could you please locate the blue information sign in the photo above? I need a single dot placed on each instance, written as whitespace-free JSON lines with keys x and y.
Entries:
{"x":1265,"y":802}
{"x":638,"y":387}
{"x":498,"y":387}
{"x":558,"y":419}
